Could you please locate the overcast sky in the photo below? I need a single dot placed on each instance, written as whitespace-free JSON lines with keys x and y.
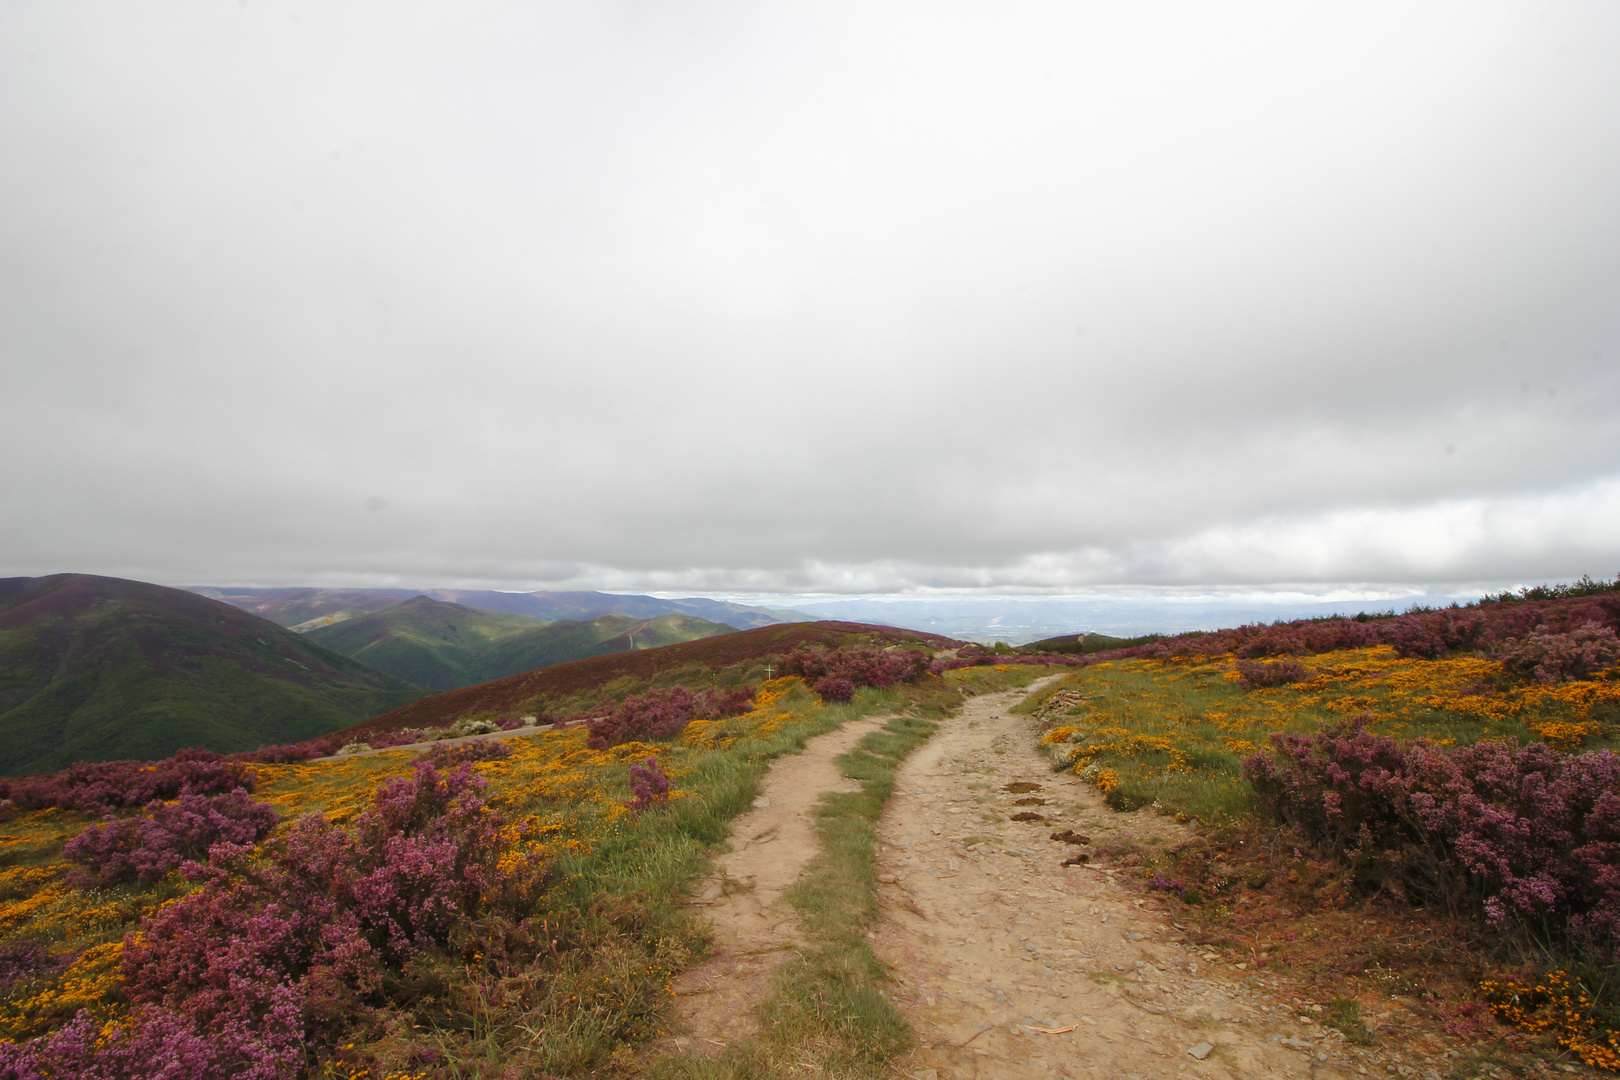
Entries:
{"x":832,"y":298}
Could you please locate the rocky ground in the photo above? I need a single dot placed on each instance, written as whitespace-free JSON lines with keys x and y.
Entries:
{"x":1012,"y":965}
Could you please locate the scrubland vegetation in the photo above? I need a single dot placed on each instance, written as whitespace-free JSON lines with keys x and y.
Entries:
{"x":485,"y":909}
{"x":1458,"y":760}
{"x":517,"y":908}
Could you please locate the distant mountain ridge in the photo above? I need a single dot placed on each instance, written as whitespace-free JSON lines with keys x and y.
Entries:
{"x":296,"y":607}
{"x":445,"y":646}
{"x":98,"y":668}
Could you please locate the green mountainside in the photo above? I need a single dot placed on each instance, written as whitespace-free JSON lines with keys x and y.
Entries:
{"x":427,"y":642}
{"x":306,"y":609}
{"x":446,"y":646}
{"x":568,"y":639}
{"x":97,"y":669}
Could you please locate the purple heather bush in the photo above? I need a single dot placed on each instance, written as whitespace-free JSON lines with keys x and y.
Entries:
{"x":1254,"y":674}
{"x":854,"y":666}
{"x":446,"y":757}
{"x":1550,"y":658}
{"x":331,"y":916}
{"x":148,"y":847}
{"x":833,"y":688}
{"x":648,"y":785}
{"x":1524,"y":834}
{"x":1422,"y":634}
{"x":107,"y":785}
{"x":22,"y":959}
{"x":291,"y":752}
{"x":158,"y":1044}
{"x":661,"y":714}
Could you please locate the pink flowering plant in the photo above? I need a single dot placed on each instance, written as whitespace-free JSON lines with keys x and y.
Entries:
{"x":834,"y":674}
{"x":1526,"y":835}
{"x":148,"y":847}
{"x":648,"y":785}
{"x":661,"y":714}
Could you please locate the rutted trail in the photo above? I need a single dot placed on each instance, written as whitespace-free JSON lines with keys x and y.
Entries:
{"x":1013,"y":966}
{"x":754,"y":927}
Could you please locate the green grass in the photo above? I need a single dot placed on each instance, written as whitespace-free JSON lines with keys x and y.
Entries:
{"x":1175,"y":733}
{"x":828,"y":1009}
{"x":580,"y":985}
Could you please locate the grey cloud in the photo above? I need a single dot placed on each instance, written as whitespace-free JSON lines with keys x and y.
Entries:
{"x":809,"y":298}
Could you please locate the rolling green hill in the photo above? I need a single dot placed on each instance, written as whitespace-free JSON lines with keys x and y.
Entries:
{"x":305,"y":609}
{"x":568,"y":639}
{"x":445,"y":646}
{"x":97,"y":669}
{"x":427,"y":642}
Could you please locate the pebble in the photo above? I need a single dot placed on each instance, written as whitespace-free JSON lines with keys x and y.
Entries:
{"x":1200,"y":1051}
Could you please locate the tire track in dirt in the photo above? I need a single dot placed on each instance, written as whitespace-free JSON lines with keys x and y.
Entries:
{"x":1012,"y":966}
{"x":753,"y":926}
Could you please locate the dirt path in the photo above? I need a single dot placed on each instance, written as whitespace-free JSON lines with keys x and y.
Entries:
{"x":1012,"y":966}
{"x":753,"y":926}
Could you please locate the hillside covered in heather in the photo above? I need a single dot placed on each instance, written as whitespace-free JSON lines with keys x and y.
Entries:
{"x":563,"y":688}
{"x":1493,"y":624}
{"x":97,"y":669}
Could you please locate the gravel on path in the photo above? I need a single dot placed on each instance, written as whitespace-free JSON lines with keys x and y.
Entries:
{"x":1011,"y":965}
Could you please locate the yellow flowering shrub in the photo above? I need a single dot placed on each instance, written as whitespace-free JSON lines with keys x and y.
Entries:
{"x":1560,"y":1007}
{"x":1175,"y":730}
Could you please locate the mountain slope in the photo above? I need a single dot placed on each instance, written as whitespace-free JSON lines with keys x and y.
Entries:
{"x":425,"y":641}
{"x":589,"y":605}
{"x":444,"y":646}
{"x":568,"y":639}
{"x":96,"y":669}
{"x":303,"y":609}
{"x":306,"y":609}
{"x":527,"y":692}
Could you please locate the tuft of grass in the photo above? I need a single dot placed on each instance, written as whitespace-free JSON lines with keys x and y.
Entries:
{"x":1344,"y":1014}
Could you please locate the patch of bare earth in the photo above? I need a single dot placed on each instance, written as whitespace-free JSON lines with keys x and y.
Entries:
{"x":1013,"y":965}
{"x":754,"y":927}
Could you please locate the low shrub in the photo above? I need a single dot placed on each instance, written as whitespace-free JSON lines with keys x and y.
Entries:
{"x":854,"y":666}
{"x":157,"y":1044}
{"x":147,"y":848}
{"x":448,"y":757}
{"x":25,"y":958}
{"x":1554,"y":658}
{"x":106,"y":785}
{"x":468,"y":726}
{"x":291,"y":753}
{"x":1255,"y":675}
{"x":326,"y":923}
{"x":1524,"y":834}
{"x":648,"y":785}
{"x":833,"y":688}
{"x":661,"y":714}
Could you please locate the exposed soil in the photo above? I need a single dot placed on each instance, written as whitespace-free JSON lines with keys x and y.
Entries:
{"x":1012,"y":964}
{"x":753,"y":926}
{"x":1037,"y":948}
